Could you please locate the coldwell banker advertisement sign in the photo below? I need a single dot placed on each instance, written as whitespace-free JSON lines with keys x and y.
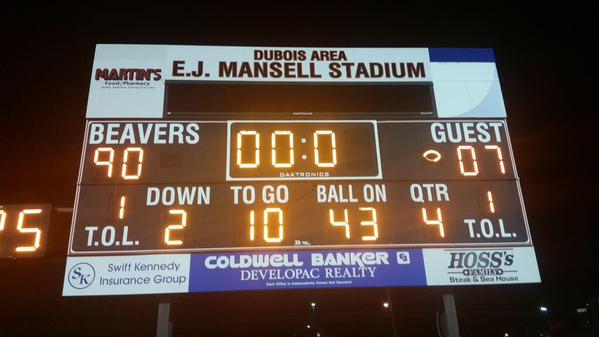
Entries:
{"x":211,"y":168}
{"x":182,"y":273}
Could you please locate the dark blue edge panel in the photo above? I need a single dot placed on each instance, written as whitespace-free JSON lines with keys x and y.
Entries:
{"x":461,"y":55}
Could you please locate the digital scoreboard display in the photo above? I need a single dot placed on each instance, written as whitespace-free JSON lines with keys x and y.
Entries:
{"x":159,"y":186}
{"x":23,"y":230}
{"x":241,"y":190}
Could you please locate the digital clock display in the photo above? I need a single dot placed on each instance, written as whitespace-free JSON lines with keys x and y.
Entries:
{"x":157,"y":186}
{"x":23,"y":230}
{"x":296,"y":150}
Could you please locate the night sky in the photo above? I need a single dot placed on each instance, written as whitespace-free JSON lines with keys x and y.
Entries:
{"x":546,"y":67}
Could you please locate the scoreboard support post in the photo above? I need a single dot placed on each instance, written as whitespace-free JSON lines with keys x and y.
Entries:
{"x":594,"y":313}
{"x":393,"y":325}
{"x":163,"y":323}
{"x":449,"y":321}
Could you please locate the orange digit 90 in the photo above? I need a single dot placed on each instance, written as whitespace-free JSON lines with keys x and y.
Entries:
{"x":104,"y":156}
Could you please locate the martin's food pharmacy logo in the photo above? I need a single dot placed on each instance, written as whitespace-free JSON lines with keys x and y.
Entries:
{"x":127,"y":77}
{"x":81,"y":275}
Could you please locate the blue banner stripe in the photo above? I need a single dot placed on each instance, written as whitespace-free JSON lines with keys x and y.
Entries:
{"x":461,"y":55}
{"x":306,"y":269}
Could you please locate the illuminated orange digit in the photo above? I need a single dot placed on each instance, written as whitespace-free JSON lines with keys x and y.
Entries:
{"x":279,"y":237}
{"x":437,"y":222}
{"x":273,"y":138}
{"x":499,"y":156}
{"x":122,"y":208}
{"x":2,"y":219}
{"x":29,"y":230}
{"x":108,"y":162}
{"x":252,"y":229}
{"x":178,"y":226}
{"x":140,"y":159}
{"x":491,"y":204}
{"x":240,"y":136}
{"x":344,"y":223}
{"x":372,"y":222}
{"x":317,"y":160}
{"x":474,"y":171}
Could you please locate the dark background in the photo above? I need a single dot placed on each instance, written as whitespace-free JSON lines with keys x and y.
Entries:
{"x":546,"y":66}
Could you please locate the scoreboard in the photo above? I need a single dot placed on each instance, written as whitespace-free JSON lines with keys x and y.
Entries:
{"x":247,"y":168}
{"x":251,"y":185}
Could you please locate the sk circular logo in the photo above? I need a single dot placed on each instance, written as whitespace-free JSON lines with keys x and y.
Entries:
{"x":81,"y":275}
